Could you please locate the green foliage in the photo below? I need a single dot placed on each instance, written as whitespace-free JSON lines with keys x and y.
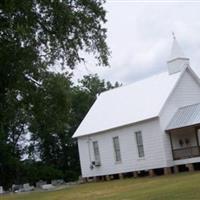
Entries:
{"x":93,"y":85}
{"x":49,"y":122}
{"x":40,"y":109}
{"x":31,"y":172}
{"x":46,"y":30}
{"x":60,"y":108}
{"x":71,"y":175}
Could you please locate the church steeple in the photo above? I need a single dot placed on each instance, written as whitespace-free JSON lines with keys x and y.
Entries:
{"x":177,"y":60}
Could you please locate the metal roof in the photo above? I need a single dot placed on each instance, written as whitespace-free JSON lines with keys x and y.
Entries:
{"x":185,"y":116}
{"x":129,"y":104}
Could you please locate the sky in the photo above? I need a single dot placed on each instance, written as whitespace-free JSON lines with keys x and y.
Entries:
{"x":139,"y":35}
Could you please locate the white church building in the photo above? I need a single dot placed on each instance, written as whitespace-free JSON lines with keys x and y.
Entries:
{"x":149,"y":127}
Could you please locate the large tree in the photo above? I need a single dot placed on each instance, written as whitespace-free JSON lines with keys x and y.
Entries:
{"x":35,"y":35}
{"x":60,"y":108}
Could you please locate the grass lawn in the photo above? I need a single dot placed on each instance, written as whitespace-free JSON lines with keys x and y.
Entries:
{"x":183,"y":186}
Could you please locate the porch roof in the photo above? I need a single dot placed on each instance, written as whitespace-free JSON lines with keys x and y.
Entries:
{"x":185,"y":116}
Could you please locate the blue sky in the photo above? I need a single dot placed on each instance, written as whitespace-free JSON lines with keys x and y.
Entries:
{"x":140,"y":38}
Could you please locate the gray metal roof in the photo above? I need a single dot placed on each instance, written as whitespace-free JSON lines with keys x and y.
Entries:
{"x":185,"y":116}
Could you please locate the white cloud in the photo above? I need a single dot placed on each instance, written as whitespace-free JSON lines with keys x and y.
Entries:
{"x":139,"y":36}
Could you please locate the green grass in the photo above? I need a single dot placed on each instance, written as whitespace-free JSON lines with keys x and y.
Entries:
{"x":183,"y":186}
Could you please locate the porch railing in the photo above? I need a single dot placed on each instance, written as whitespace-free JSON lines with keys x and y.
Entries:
{"x":188,"y":152}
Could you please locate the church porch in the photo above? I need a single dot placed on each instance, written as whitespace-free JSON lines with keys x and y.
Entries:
{"x":185,"y":142}
{"x":184,"y":132}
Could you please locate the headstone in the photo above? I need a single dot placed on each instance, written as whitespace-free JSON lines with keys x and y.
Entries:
{"x":16,"y":188}
{"x":57,"y":182}
{"x":40,"y":183}
{"x":72,"y":183}
{"x":27,"y":187}
{"x":1,"y":190}
{"x":47,"y":187}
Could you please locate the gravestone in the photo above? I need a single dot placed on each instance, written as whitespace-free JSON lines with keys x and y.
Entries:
{"x":47,"y":187}
{"x":1,"y":190}
{"x":57,"y":182}
{"x":27,"y":187}
{"x":40,"y":183}
{"x":16,"y":188}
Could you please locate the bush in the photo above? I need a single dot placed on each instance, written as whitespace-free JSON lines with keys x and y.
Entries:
{"x":33,"y":172}
{"x":70,"y":176}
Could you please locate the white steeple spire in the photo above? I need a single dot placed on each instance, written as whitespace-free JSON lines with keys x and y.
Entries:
{"x":177,"y":60}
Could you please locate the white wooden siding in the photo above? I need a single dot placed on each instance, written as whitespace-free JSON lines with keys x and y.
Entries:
{"x":153,"y":149}
{"x":187,"y":92}
{"x":157,"y":147}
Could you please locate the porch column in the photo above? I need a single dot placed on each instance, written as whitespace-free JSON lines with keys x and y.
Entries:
{"x":171,"y":145}
{"x":197,"y":138}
